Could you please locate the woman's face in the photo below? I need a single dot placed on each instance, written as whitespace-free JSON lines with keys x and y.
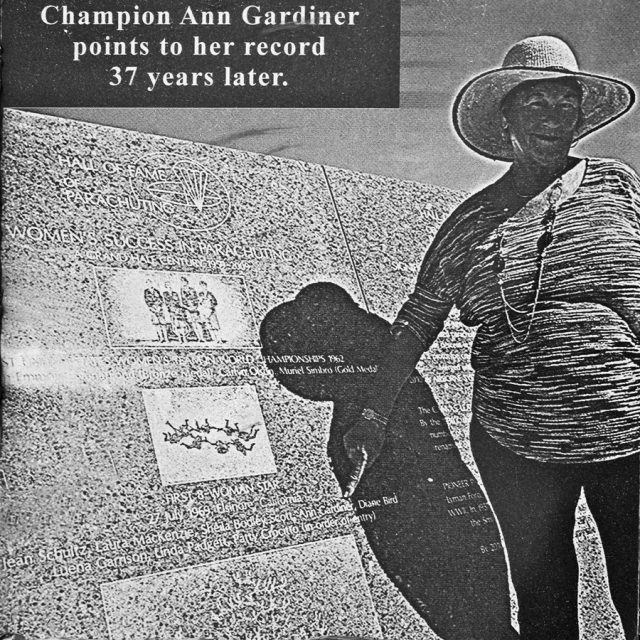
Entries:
{"x":542,"y":118}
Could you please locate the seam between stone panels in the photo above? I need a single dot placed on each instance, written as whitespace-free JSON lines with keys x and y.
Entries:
{"x":346,"y":241}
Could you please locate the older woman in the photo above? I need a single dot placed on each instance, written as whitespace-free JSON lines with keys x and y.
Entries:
{"x":546,"y":263}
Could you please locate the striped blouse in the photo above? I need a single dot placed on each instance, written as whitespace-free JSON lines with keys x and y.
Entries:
{"x":556,"y":379}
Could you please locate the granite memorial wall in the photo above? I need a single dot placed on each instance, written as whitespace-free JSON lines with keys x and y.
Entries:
{"x":175,"y":362}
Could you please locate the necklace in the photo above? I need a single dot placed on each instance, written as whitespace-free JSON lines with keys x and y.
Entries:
{"x":513,"y":315}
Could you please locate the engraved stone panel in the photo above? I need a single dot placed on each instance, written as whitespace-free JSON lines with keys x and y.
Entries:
{"x":298,"y":592}
{"x":112,"y":243}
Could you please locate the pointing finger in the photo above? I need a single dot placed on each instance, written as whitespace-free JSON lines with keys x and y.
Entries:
{"x":356,"y":474}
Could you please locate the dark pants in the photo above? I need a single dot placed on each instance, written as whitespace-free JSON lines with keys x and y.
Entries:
{"x":535,"y":505}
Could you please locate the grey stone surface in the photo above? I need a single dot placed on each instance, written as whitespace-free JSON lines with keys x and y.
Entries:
{"x":82,"y":496}
{"x":83,"y":503}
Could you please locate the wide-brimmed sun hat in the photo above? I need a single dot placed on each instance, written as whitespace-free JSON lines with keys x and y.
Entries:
{"x":476,"y":110}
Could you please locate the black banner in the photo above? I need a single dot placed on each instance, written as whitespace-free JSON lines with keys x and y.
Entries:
{"x":219,"y":53}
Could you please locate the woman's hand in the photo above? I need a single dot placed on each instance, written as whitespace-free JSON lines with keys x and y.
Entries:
{"x":365,"y":438}
{"x":363,"y":443}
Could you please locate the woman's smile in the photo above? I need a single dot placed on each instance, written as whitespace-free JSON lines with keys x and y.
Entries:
{"x":541,"y":119}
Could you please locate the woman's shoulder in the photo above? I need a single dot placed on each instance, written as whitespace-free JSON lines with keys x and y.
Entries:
{"x":610,"y":167}
{"x":460,"y":220}
{"x":475,"y":205}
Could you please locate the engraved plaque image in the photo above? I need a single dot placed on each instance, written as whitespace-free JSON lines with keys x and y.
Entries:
{"x":297,"y":592}
{"x":208,"y":433}
{"x":175,"y":309}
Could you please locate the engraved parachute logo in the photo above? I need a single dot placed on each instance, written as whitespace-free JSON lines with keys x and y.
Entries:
{"x":189,"y":189}
{"x":189,"y":196}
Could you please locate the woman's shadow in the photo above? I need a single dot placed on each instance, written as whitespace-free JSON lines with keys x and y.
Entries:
{"x":424,"y":515}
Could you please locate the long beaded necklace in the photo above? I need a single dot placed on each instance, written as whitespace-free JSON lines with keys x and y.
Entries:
{"x":512,"y":313}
